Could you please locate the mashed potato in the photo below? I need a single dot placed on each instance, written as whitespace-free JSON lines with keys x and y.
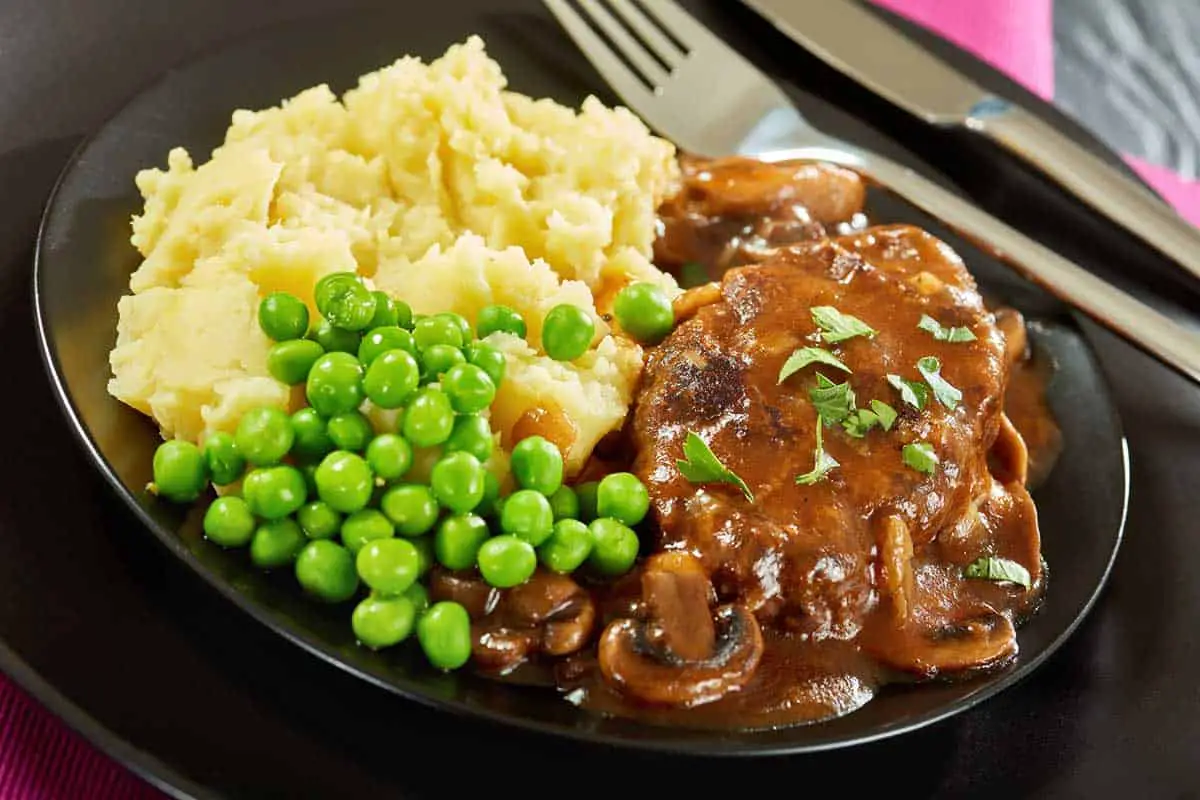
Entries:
{"x":432,"y":181}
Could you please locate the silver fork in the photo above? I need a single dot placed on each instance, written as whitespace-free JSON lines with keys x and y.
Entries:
{"x":711,"y":101}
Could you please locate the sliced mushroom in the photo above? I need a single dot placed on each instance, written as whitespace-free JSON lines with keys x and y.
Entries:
{"x":895,"y":565}
{"x":549,"y":614}
{"x":469,"y":591}
{"x":1009,"y":457}
{"x":558,"y":607}
{"x":682,"y":653}
{"x":979,"y":643}
{"x":1016,"y":341}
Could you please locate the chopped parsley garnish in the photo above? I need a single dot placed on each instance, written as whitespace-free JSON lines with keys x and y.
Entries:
{"x":822,"y":463}
{"x":809,"y":355}
{"x":885,"y":413}
{"x":838,"y":327}
{"x":700,"y":465}
{"x":860,"y":422}
{"x":920,"y":456}
{"x":913,"y":393}
{"x":834,"y":401}
{"x":990,"y":568}
{"x":947,"y":395}
{"x":942,"y":333}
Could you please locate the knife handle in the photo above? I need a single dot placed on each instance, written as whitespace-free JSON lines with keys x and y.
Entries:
{"x":1157,"y":334}
{"x":1123,"y":200}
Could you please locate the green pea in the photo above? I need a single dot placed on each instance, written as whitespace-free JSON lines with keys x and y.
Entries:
{"x":404,"y":314}
{"x":365,"y":525}
{"x":506,"y":561}
{"x":388,"y":566}
{"x":412,"y":507}
{"x":429,"y":331}
{"x":392,"y":378}
{"x":489,"y":505}
{"x":586,"y":492}
{"x":527,"y":514}
{"x":417,"y":593}
{"x":460,"y":322}
{"x":444,"y":632}
{"x":644,"y":311}
{"x":312,"y":436}
{"x":380,"y":340}
{"x":335,"y":384}
{"x":228,"y":522}
{"x":499,"y":318}
{"x":318,"y":520}
{"x":457,"y":482}
{"x":424,"y":545}
{"x":290,"y":362}
{"x":344,"y":481}
{"x":275,"y":492}
{"x":334,"y":339}
{"x":350,"y":430}
{"x":623,"y":497}
{"x":390,"y":456}
{"x":380,"y":622}
{"x":428,"y":419}
{"x":309,"y":471}
{"x":471,"y":434}
{"x":488,"y":359}
{"x":564,"y":503}
{"x":344,"y":301}
{"x":264,"y":436}
{"x":568,"y":546}
{"x":326,"y":570}
{"x":276,"y":543}
{"x":469,"y":388}
{"x":614,"y":547}
{"x":438,"y":359}
{"x":180,"y":471}
{"x":225,"y":464}
{"x":385,"y":311}
{"x":458,"y":539}
{"x":567,"y":332}
{"x":283,"y":316}
{"x":537,"y":464}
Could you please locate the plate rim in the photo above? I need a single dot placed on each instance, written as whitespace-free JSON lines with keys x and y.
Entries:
{"x":146,"y":765}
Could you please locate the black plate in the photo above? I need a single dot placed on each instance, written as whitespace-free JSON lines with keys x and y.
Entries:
{"x":82,"y":269}
{"x":131,"y":648}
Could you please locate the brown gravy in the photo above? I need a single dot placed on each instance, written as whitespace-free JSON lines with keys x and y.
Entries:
{"x":732,"y":212}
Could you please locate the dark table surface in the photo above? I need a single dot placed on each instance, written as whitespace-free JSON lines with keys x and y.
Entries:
{"x":1116,"y":713}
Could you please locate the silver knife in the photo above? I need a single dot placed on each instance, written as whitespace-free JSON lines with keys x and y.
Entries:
{"x":863,"y":46}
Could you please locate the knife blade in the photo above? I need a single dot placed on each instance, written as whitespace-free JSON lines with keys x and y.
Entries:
{"x":863,"y":46}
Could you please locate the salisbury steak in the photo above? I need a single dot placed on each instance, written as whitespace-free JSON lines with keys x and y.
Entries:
{"x":875,"y":548}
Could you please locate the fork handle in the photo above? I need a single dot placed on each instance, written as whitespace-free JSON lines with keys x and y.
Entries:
{"x":1157,"y":334}
{"x":1095,"y":182}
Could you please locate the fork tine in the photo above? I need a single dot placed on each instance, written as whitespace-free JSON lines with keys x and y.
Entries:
{"x":631,"y":48}
{"x":684,"y":27}
{"x":626,"y":83}
{"x":649,"y":31}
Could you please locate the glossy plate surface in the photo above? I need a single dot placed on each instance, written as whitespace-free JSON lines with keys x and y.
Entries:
{"x":84,"y":260}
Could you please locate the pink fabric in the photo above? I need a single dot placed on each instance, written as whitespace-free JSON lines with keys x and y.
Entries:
{"x":1017,"y":37}
{"x":1014,"y":36}
{"x":41,"y":758}
{"x":1179,"y":192}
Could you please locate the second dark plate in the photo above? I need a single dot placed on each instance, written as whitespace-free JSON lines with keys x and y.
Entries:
{"x":84,"y":260}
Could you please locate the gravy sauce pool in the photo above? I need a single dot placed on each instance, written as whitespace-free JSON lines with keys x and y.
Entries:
{"x":733,"y":212}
